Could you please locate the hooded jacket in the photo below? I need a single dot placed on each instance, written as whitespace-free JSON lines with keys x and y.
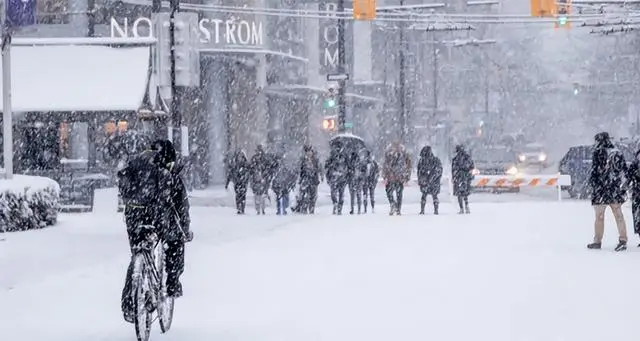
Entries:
{"x":429,"y":171}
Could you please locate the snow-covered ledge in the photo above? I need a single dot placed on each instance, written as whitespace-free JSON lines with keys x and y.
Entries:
{"x":28,"y":202}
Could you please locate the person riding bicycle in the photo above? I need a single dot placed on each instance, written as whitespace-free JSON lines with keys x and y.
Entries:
{"x":154,"y":194}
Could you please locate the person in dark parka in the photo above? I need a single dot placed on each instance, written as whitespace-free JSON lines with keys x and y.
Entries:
{"x":371,"y":173}
{"x":310,"y":175}
{"x":396,"y":171}
{"x":336,"y":167}
{"x":154,"y":194}
{"x":606,"y":180}
{"x":283,"y":183}
{"x":261,"y":175}
{"x":239,"y":173}
{"x":356,"y":185}
{"x":633,"y":179}
{"x":462,"y":174}
{"x":429,"y":176}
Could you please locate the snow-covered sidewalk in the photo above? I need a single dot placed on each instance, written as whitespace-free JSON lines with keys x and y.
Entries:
{"x":508,"y":271}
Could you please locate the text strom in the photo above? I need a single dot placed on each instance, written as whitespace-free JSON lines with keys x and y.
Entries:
{"x":210,"y":31}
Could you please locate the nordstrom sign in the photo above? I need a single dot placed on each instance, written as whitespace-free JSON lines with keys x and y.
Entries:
{"x":210,"y":31}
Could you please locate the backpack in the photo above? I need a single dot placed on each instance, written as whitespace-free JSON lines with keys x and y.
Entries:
{"x":138,"y":183}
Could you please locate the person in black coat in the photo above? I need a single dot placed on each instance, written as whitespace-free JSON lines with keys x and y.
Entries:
{"x":310,"y":175}
{"x":633,"y":183}
{"x":239,"y":172}
{"x":429,"y":176}
{"x":606,"y":180}
{"x":462,"y":174}
{"x":154,"y":193}
{"x":261,"y":175}
{"x":356,"y":182}
{"x":283,"y":183}
{"x":371,"y":172}
{"x":337,"y":176}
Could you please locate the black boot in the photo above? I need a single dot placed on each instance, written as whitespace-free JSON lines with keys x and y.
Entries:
{"x":594,"y":246}
{"x":622,"y":245}
{"x":435,"y":208}
{"x":423,"y":203}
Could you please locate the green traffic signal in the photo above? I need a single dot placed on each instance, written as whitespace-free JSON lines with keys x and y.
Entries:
{"x":562,"y":20}
{"x":329,"y":103}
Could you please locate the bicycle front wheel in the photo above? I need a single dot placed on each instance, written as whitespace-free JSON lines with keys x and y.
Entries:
{"x":143,"y":317}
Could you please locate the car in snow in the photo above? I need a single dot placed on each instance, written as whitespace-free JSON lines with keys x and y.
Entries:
{"x":532,"y":154}
{"x":495,"y":160}
{"x":577,"y":164}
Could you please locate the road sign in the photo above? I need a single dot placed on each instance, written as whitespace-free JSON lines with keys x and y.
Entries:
{"x":337,"y":77}
{"x":348,"y":125}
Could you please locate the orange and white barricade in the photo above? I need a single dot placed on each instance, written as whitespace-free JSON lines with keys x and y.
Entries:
{"x":506,"y":181}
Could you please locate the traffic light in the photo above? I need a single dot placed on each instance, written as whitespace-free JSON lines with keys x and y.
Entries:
{"x":330,"y":101}
{"x":563,"y":10}
{"x":364,"y":9}
{"x":187,"y":60}
{"x":329,"y":123}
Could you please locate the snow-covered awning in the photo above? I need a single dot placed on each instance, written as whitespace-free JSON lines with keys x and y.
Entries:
{"x":78,"y":78}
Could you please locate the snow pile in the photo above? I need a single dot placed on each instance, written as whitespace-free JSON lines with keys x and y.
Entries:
{"x":28,"y":202}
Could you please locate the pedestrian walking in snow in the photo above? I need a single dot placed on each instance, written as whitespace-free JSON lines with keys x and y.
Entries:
{"x":337,"y":176}
{"x":261,"y":172}
{"x":633,"y":179}
{"x":356,"y":183}
{"x":310,"y":175}
{"x":429,"y":176}
{"x":396,"y":171}
{"x":371,"y":173}
{"x":283,"y":183}
{"x":239,"y":172}
{"x":606,"y":180}
{"x":462,"y":174}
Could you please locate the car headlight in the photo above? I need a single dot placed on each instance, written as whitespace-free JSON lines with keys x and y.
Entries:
{"x":542,"y":157}
{"x":512,"y":170}
{"x":475,"y":171}
{"x":522,"y":158}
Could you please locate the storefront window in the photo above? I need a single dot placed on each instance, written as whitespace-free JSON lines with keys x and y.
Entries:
{"x":52,"y":12}
{"x":74,"y":145}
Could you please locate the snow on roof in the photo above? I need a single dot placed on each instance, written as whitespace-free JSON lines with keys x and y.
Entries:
{"x":78,"y":78}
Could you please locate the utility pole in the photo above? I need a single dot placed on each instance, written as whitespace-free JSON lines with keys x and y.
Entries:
{"x":176,"y":114}
{"x":403,"y":83}
{"x":435,"y":76}
{"x":342,"y":91}
{"x":7,"y":111}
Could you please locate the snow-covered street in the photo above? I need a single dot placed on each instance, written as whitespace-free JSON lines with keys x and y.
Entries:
{"x":509,"y":271}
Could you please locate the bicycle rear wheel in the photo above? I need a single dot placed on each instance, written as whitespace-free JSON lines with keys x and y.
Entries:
{"x":143,"y":318}
{"x":165,"y":303}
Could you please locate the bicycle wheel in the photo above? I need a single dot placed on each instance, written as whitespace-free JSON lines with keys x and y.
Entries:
{"x":165,"y":303}
{"x":143,"y":318}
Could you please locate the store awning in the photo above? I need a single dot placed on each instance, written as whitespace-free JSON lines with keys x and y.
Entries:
{"x":78,"y":78}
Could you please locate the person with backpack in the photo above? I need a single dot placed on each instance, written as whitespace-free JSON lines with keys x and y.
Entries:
{"x":396,"y":171}
{"x":356,"y":183}
{"x":371,"y":173}
{"x":154,"y":194}
{"x":429,"y":176}
{"x":608,"y":168}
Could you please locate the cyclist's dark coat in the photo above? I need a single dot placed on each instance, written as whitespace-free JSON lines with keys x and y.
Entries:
{"x":146,"y":184}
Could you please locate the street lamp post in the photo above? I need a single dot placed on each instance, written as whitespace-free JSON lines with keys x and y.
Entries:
{"x":7,"y":112}
{"x":342,"y":101}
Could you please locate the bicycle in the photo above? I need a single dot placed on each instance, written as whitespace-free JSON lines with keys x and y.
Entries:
{"x":149,"y":284}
